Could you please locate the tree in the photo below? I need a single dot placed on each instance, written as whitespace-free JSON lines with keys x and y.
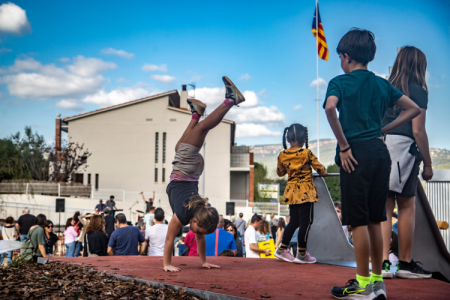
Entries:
{"x":12,"y":165}
{"x":260,"y":176}
{"x":333,"y":183}
{"x":33,"y":149}
{"x":67,"y":162}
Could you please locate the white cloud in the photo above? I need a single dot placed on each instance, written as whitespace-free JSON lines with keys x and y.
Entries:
{"x":319,"y":81}
{"x":251,"y":99}
{"x":30,"y":79}
{"x":69,"y":104}
{"x":121,"y":79}
{"x":3,"y":50}
{"x":121,"y":53}
{"x":254,"y":130}
{"x":120,"y":95}
{"x":64,"y":59}
{"x":245,"y":77}
{"x":297,"y":107}
{"x":154,"y":68}
{"x":382,"y":75}
{"x":163,"y":78}
{"x":257,"y":115}
{"x":6,"y":102}
{"x":13,"y":19}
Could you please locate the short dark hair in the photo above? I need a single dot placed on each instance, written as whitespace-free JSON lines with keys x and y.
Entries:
{"x":359,"y":44}
{"x":9,"y":220}
{"x":150,"y":209}
{"x":255,"y":218}
{"x":159,"y":214}
{"x":100,"y":200}
{"x":337,"y":205}
{"x":111,"y":196}
{"x":121,"y":218}
{"x":227,"y":252}
{"x":41,"y":220}
{"x":241,"y":215}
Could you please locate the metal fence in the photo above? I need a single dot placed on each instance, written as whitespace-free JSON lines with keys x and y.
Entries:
{"x":41,"y":188}
{"x":438,"y":194}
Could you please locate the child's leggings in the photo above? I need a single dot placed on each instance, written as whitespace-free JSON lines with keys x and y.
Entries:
{"x":302,"y":215}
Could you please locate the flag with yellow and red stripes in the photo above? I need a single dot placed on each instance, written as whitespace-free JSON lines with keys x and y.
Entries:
{"x":322,"y":48}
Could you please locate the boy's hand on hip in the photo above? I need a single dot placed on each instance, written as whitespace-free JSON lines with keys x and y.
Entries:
{"x":348,"y":161}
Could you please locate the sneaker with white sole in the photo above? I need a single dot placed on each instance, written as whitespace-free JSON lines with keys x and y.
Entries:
{"x":307,"y":259}
{"x":386,"y":270}
{"x":284,"y":255}
{"x":352,"y":290}
{"x":232,"y":92}
{"x":379,"y":289}
{"x":197,"y":107}
{"x":411,"y":270}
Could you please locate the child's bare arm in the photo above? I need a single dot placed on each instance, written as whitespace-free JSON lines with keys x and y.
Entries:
{"x":347,"y":159}
{"x":201,"y":250}
{"x":172,"y":231}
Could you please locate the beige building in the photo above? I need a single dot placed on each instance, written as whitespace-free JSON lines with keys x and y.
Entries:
{"x":133,"y":145}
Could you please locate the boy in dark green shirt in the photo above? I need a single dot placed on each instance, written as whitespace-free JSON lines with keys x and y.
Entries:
{"x":362,"y":99}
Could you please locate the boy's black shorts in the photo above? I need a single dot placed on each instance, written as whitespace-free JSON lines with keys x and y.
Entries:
{"x":364,"y":191}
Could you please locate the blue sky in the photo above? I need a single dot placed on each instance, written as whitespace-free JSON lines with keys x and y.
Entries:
{"x":71,"y":57}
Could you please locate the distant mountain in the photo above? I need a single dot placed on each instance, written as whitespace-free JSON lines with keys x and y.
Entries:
{"x":267,"y":155}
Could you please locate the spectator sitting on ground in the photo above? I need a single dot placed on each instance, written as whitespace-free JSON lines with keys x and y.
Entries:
{"x":9,"y":233}
{"x":149,"y":217}
{"x":100,"y":207}
{"x":338,"y":208}
{"x":37,"y":237}
{"x":231,"y":228}
{"x":50,"y":238}
{"x":191,"y":242}
{"x":224,"y":242}
{"x":263,"y":231}
{"x":240,"y":225}
{"x":24,"y":223}
{"x":227,"y":253}
{"x":125,"y":239}
{"x":156,"y":235}
{"x":251,"y":244}
{"x":109,"y":223}
{"x":180,"y":245}
{"x":95,"y":239}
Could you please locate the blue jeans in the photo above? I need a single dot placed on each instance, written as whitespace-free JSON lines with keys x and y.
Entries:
{"x":293,"y":247}
{"x":70,"y":247}
{"x":77,"y":249}
{"x":23,"y":237}
{"x":2,"y":257}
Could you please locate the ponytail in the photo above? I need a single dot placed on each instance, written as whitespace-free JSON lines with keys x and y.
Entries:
{"x":284,"y":138}
{"x":306,"y":138}
{"x":207,"y":217}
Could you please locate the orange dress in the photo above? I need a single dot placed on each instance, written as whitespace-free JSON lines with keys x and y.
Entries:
{"x":298,"y":164}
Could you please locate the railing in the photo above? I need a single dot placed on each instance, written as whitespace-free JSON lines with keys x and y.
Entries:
{"x":53,"y":189}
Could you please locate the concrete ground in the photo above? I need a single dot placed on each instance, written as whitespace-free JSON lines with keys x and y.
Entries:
{"x":255,"y":278}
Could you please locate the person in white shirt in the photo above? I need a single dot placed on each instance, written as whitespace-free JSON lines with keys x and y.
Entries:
{"x":156,"y":234}
{"x":251,"y":245}
{"x":149,"y":217}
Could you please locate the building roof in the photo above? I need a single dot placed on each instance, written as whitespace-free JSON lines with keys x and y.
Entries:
{"x":169,"y":93}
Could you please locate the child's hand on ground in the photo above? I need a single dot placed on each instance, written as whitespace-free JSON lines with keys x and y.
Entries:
{"x":347,"y":161}
{"x":209,"y":266}
{"x":171,"y":268}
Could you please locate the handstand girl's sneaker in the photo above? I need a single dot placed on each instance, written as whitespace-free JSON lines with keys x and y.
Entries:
{"x":307,"y":259}
{"x":411,"y":270}
{"x":352,"y":290}
{"x":284,"y":255}
{"x":386,"y":270}
{"x":197,"y":107}
{"x":232,"y":91}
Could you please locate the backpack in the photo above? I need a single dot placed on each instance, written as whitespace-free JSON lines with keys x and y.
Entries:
{"x":27,"y":251}
{"x":77,"y":228}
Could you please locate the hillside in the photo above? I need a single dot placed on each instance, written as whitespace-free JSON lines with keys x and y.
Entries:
{"x":267,"y":155}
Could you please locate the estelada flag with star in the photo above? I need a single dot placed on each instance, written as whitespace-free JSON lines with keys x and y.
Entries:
{"x":322,"y":48}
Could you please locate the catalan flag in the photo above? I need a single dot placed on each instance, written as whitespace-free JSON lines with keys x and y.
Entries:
{"x":322,"y":49}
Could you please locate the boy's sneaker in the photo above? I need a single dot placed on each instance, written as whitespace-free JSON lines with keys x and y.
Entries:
{"x":306,"y":259}
{"x":232,"y":91}
{"x":379,"y":289}
{"x":411,"y":270}
{"x":284,"y":255}
{"x":197,"y":107}
{"x":386,"y":270}
{"x":353,"y":291}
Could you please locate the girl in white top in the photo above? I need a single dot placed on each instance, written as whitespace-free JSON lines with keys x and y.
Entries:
{"x":9,"y":233}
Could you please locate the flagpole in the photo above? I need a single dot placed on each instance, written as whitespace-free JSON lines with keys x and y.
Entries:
{"x":317,"y":79}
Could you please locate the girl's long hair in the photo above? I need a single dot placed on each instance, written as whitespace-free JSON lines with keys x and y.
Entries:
{"x":295,"y":133}
{"x":207,"y":217}
{"x":96,"y":224}
{"x":264,"y":227}
{"x":281,"y":223}
{"x":410,"y":67}
{"x":68,"y":223}
{"x":235,"y":235}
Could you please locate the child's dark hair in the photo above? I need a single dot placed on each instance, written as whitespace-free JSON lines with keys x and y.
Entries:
{"x":227,"y":252}
{"x":207,"y":217}
{"x":359,"y":44}
{"x":295,"y":133}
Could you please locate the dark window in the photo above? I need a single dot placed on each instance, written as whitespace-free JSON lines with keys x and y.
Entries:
{"x":89,"y":178}
{"x":96,"y":182}
{"x":79,"y":178}
{"x":164,"y":175}
{"x":156,"y":174}
{"x":164,"y":150}
{"x":156,"y":146}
